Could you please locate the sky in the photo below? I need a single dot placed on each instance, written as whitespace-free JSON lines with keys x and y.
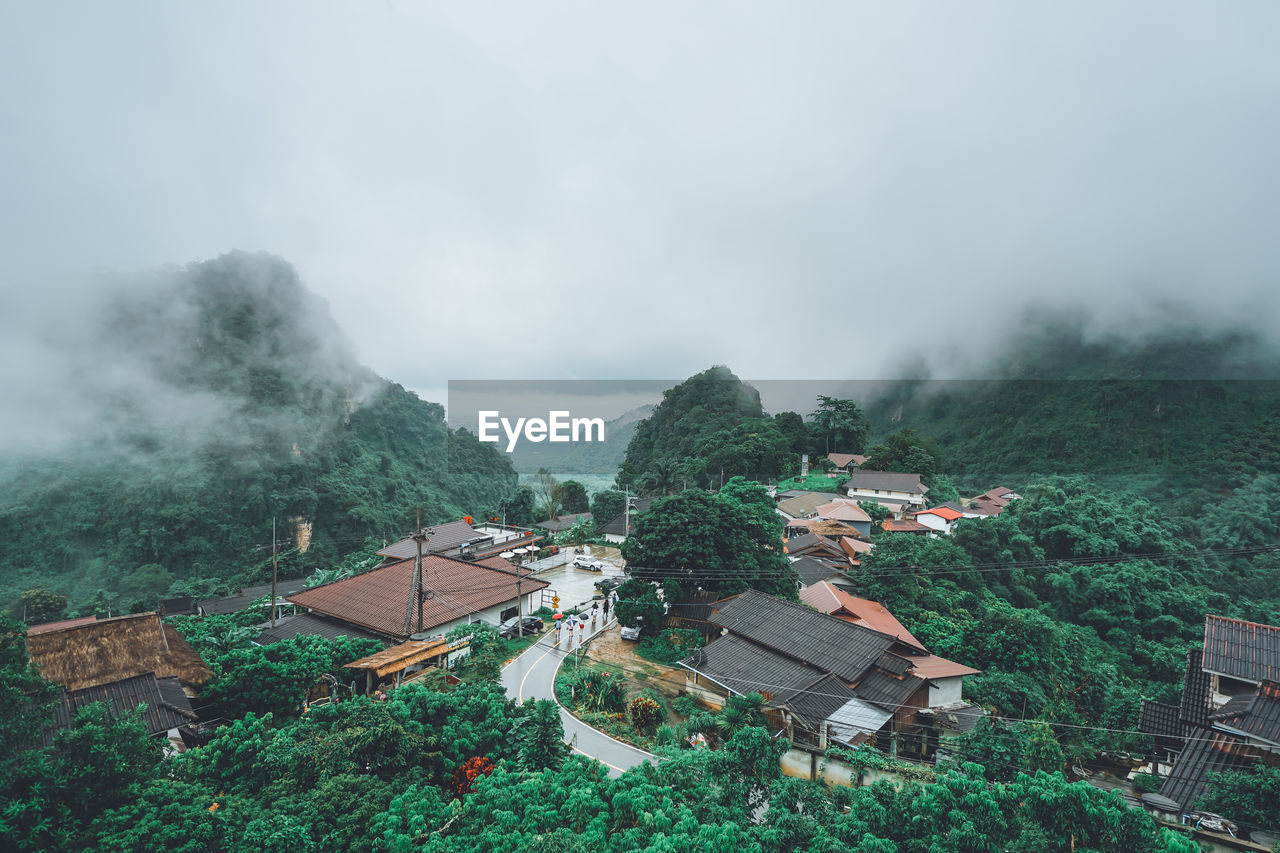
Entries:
{"x":559,"y":190}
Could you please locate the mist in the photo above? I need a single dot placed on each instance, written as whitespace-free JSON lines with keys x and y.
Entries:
{"x":579,"y":192}
{"x":170,"y":361}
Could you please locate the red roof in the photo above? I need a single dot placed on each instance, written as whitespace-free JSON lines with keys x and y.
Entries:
{"x":932,"y":666}
{"x":56,"y":626}
{"x":860,"y":611}
{"x":944,"y":512}
{"x":377,"y":600}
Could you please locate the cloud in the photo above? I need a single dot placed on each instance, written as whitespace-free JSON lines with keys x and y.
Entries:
{"x":563,"y":190}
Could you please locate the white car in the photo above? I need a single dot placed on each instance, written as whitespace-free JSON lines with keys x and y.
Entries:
{"x":632,"y":633}
{"x":585,"y":561}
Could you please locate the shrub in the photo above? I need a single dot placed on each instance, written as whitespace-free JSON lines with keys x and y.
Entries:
{"x":671,"y":646}
{"x":645,"y":714}
{"x":1147,"y":783}
{"x":685,"y":705}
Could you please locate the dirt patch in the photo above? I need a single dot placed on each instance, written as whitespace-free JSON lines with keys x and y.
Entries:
{"x":608,"y":648}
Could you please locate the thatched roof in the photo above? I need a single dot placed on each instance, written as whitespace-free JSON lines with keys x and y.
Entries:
{"x":108,"y":650}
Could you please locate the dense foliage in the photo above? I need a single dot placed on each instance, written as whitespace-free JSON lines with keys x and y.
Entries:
{"x":728,"y":541}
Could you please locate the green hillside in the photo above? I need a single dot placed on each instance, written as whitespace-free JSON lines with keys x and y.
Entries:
{"x":243,"y":402}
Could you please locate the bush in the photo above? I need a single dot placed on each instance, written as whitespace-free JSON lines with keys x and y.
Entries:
{"x":646,"y":713}
{"x":671,"y":646}
{"x":685,"y":705}
{"x":1147,"y":783}
{"x":667,"y":736}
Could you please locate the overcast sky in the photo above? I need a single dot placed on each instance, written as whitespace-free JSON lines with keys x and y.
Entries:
{"x":639,"y":190}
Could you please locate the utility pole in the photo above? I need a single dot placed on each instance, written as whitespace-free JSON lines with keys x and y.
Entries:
{"x":275,"y":571}
{"x":519,"y":607}
{"x":415,"y":587}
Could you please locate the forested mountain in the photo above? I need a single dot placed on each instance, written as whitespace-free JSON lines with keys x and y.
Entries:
{"x":1183,"y":417}
{"x":203,"y":402}
{"x":583,"y":457}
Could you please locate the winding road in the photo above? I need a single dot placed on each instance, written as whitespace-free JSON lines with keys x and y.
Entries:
{"x":533,"y":675}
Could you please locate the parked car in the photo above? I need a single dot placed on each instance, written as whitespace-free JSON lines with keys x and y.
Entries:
{"x":632,"y":633}
{"x":608,"y":585}
{"x":586,"y":561}
{"x":532,"y":625}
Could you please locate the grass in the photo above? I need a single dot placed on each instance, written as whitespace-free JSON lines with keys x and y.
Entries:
{"x":813,"y":483}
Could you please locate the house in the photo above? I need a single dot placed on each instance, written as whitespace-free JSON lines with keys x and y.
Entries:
{"x":813,"y":545}
{"x":855,"y":549}
{"x":245,"y":598}
{"x":846,"y":462}
{"x":945,"y":677}
{"x":849,"y":512}
{"x":941,"y":518}
{"x":454,"y":592}
{"x":887,"y":487}
{"x":991,"y":503}
{"x":619,"y":528}
{"x":1229,"y":714}
{"x":91,"y":654}
{"x":908,"y":525}
{"x":460,"y":539}
{"x":165,"y":707}
{"x":803,"y":505}
{"x":812,"y":571}
{"x":561,"y":523}
{"x":402,"y":663}
{"x":825,"y":680}
{"x":315,"y":625}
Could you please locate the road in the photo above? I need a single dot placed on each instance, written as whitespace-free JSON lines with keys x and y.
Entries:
{"x":532,"y":676}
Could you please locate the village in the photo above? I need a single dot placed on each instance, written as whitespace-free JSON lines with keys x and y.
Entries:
{"x":854,"y":693}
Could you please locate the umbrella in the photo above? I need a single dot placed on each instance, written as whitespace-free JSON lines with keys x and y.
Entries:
{"x":558,"y":616}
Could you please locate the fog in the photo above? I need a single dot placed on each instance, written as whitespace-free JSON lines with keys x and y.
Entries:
{"x":574,"y":191}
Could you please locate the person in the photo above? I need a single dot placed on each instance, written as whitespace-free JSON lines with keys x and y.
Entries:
{"x":606,"y":607}
{"x":595,"y":611}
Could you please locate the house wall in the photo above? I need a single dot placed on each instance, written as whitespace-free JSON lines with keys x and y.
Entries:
{"x":947,"y":691}
{"x":877,"y":494}
{"x":491,"y":615}
{"x":614,"y":538}
{"x":934,"y":522}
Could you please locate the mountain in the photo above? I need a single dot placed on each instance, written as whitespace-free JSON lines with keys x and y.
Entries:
{"x":1192,"y":414}
{"x":199,"y":403}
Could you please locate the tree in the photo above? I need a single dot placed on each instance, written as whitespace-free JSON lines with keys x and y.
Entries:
{"x":572,"y":497}
{"x":540,"y":736}
{"x":606,"y":506}
{"x":1249,"y":797}
{"x":905,"y":450}
{"x":518,"y":509}
{"x":38,"y":606}
{"x":639,"y":605}
{"x":26,"y":699}
{"x":546,"y":488}
{"x":838,"y":426}
{"x":709,"y":541}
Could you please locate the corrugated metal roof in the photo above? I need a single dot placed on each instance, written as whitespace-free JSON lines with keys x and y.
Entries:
{"x":1194,"y":708}
{"x":377,"y":600}
{"x":889,"y":481}
{"x":888,"y":691}
{"x":248,"y":595}
{"x":617,"y":527}
{"x":831,"y":644}
{"x":1244,"y":650}
{"x":1207,"y":752}
{"x":804,"y":505}
{"x":1257,"y":716}
{"x":856,"y":720}
{"x":167,"y":707}
{"x":440,"y":537}
{"x":315,"y":625}
{"x":745,"y":667}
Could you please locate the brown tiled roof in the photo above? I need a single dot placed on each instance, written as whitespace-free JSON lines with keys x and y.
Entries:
{"x":840,"y":460}
{"x":377,"y":600}
{"x":109,"y":650}
{"x":843,"y":511}
{"x":932,"y":666}
{"x":1244,"y":650}
{"x":892,"y":481}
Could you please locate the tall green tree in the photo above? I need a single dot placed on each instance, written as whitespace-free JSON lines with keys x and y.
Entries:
{"x":838,"y":426}
{"x":705,"y":540}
